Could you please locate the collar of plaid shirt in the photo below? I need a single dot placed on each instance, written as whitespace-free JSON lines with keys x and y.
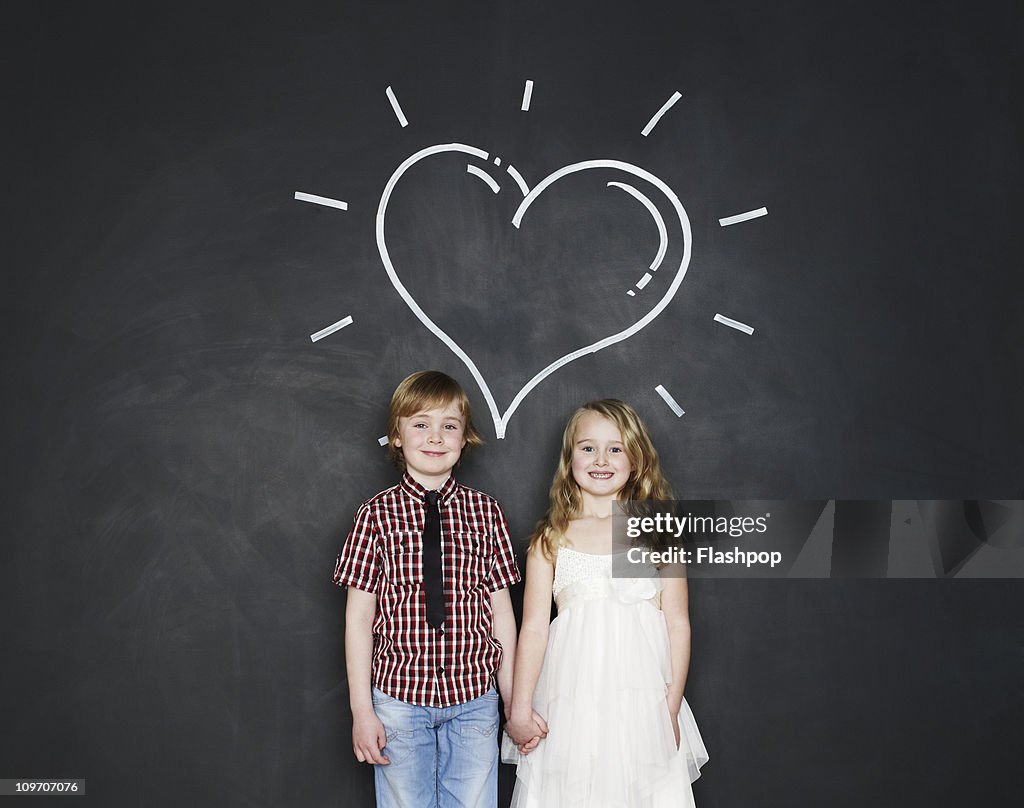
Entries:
{"x":417,"y":491}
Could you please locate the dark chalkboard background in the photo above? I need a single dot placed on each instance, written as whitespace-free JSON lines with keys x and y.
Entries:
{"x":181,"y":462}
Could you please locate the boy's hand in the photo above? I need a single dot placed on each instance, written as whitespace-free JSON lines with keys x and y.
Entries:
{"x":368,"y":738}
{"x":524,"y":730}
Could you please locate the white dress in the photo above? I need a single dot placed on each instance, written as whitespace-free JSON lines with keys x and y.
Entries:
{"x":602,"y":692}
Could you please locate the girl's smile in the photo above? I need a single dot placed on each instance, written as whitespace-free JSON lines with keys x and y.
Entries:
{"x":600,"y":465}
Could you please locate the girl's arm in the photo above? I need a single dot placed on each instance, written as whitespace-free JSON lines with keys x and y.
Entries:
{"x":504,"y":631}
{"x":524,"y":724}
{"x":675,"y":606}
{"x":368,"y":736}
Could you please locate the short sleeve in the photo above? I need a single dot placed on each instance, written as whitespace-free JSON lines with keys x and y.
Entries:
{"x":504,"y":571}
{"x":357,"y":565}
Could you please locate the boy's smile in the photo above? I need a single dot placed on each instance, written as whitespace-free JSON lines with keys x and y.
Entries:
{"x":431,"y":442}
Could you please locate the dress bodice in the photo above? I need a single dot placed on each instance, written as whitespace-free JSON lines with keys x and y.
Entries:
{"x":586,"y":576}
{"x":572,"y":566}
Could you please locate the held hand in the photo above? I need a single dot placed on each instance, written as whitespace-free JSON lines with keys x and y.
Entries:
{"x":529,"y":746}
{"x":368,"y":739}
{"x":540,"y":722}
{"x":522,"y":730}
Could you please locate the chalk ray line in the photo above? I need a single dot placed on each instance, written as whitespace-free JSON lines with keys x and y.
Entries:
{"x":326,"y":201}
{"x":658,"y":220}
{"x":479,"y":172}
{"x":527,"y":95}
{"x":668,"y":399}
{"x":657,"y":115}
{"x":501,"y":420}
{"x":743,"y":217}
{"x":396,"y":107}
{"x":326,"y":332}
{"x":746,"y":329}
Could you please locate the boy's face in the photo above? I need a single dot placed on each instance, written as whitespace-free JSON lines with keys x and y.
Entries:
{"x":431,"y":442}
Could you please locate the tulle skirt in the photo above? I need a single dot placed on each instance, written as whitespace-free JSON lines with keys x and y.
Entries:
{"x":602,"y":692}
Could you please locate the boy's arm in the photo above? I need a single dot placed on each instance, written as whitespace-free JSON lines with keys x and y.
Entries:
{"x":525,"y":724}
{"x":504,"y":630}
{"x":368,"y":736}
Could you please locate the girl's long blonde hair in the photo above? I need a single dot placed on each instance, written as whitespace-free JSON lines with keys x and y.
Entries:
{"x":645,"y":479}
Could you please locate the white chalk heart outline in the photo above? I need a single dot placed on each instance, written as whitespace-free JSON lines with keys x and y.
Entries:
{"x":501,"y":420}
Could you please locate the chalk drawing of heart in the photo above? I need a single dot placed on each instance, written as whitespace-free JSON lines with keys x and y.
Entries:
{"x":501,"y":419}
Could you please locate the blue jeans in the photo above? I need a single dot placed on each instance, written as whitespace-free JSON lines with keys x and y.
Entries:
{"x":441,"y":757}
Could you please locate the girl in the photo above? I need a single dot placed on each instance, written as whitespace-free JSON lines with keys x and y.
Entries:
{"x":610,"y":682}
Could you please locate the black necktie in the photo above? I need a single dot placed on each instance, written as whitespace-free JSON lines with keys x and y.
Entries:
{"x":433,"y":572}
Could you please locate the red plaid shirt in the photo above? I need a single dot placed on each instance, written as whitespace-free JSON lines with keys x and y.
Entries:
{"x":383,"y":554}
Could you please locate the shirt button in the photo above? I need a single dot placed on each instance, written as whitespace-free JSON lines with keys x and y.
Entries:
{"x":441,"y":631}
{"x":440,"y":670}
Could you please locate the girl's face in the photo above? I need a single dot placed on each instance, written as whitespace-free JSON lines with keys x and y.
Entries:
{"x":600,"y":465}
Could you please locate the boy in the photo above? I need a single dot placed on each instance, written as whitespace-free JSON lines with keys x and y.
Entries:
{"x":428,"y":623}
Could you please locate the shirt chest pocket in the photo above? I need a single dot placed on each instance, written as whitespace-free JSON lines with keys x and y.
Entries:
{"x":470,"y":561}
{"x":467,"y":559}
{"x":401,"y":558}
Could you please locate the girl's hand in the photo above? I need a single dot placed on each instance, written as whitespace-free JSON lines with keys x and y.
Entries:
{"x":368,"y":738}
{"x":529,"y":746}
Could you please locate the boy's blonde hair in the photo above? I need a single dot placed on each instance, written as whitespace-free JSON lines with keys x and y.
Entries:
{"x":427,"y":390}
{"x":645,"y":479}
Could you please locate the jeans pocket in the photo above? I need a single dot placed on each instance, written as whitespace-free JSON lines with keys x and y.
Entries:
{"x":397,"y":718}
{"x":478,"y":726}
{"x":398,"y":745}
